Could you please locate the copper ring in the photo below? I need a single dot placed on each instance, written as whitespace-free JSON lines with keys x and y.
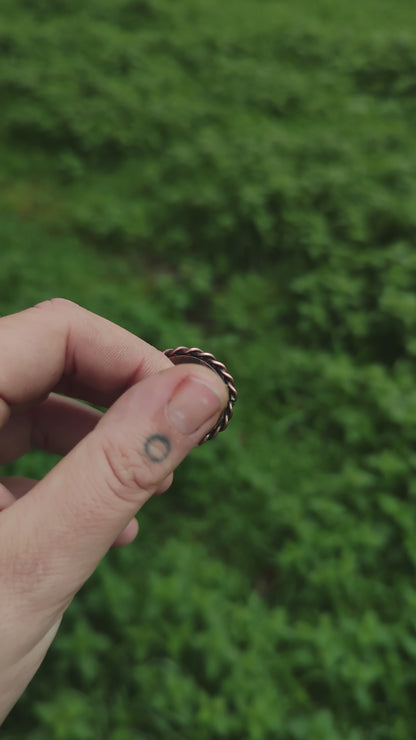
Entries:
{"x":181,"y":355}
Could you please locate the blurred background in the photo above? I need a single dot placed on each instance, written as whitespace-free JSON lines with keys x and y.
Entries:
{"x":240,"y":176}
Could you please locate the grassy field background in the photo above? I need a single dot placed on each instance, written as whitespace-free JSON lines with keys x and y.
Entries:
{"x":239,"y":176}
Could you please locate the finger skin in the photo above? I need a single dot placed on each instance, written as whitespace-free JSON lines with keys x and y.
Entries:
{"x":128,"y":534}
{"x":59,"y":423}
{"x":17,"y":485}
{"x":52,"y":538}
{"x":6,"y":497}
{"x":55,"y":425}
{"x":78,"y":510}
{"x":60,"y":346}
{"x":12,"y":488}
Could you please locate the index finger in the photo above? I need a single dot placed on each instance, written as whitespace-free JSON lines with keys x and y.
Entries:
{"x":59,"y":346}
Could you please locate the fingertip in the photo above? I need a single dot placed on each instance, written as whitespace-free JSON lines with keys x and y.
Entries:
{"x":165,"y":485}
{"x":128,"y":534}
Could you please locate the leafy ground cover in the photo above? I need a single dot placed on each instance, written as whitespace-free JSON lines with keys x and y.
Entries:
{"x":239,"y":176}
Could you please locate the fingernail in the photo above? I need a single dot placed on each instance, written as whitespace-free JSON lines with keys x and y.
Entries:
{"x":192,"y":405}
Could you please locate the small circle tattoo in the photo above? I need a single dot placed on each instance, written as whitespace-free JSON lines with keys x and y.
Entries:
{"x":157,"y":447}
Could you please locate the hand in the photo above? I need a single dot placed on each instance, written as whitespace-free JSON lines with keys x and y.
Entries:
{"x":54,"y":532}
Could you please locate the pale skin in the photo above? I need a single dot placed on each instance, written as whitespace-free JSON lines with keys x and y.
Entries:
{"x":54,"y":532}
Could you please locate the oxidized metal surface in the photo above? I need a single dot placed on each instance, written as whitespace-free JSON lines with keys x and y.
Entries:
{"x":181,"y":355}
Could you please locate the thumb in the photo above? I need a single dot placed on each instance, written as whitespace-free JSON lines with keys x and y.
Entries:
{"x":58,"y":533}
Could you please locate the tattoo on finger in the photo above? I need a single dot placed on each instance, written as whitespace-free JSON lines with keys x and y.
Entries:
{"x":157,"y":447}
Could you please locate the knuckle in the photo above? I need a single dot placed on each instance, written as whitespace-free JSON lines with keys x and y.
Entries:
{"x":128,"y":474}
{"x":57,"y":304}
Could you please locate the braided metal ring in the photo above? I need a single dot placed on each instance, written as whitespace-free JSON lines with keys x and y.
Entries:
{"x":181,"y":355}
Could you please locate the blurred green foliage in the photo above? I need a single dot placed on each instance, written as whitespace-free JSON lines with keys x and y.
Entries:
{"x":239,"y":176}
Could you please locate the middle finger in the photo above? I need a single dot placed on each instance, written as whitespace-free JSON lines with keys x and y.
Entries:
{"x":55,"y":425}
